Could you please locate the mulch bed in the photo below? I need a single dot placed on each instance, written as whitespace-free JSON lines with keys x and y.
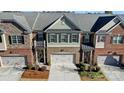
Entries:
{"x":34,"y":74}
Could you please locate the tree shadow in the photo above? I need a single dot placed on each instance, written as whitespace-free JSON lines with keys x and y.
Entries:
{"x":110,"y":60}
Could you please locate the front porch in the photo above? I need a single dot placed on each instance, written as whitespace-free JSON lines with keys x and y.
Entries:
{"x":87,"y":54}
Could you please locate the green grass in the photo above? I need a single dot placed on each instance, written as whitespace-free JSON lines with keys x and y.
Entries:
{"x":94,"y":75}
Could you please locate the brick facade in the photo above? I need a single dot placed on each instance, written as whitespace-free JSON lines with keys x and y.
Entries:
{"x":17,"y":49}
{"x":110,"y":48}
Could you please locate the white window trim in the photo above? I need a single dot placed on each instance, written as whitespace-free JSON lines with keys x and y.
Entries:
{"x":64,"y":38}
{"x":118,"y":36}
{"x":100,"y":36}
{"x":50,"y":37}
{"x":74,"y":38}
{"x":16,"y":39}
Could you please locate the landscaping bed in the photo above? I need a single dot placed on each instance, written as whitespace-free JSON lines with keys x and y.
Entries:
{"x":89,"y":72}
{"x":34,"y":75}
{"x":92,"y":76}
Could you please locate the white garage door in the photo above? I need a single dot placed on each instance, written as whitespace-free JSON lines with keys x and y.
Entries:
{"x":108,"y":60}
{"x":56,"y":59}
{"x":13,"y":61}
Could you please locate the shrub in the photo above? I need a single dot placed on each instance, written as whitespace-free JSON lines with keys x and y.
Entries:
{"x":29,"y":66}
{"x":33,"y":68}
{"x":25,"y":68}
{"x":49,"y":63}
{"x":84,"y":73}
{"x":95,"y":68}
{"x":43,"y":68}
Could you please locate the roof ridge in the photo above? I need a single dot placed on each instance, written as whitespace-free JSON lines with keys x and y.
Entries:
{"x":38,"y":14}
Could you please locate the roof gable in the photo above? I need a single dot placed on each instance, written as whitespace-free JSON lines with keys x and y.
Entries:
{"x":63,"y":23}
{"x":101,"y":22}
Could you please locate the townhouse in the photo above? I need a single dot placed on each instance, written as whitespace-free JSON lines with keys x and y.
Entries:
{"x":52,"y":37}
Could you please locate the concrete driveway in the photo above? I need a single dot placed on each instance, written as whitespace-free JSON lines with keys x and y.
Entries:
{"x":63,"y":72}
{"x":112,"y":73}
{"x":10,"y":73}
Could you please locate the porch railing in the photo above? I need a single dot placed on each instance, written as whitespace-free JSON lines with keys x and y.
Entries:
{"x":38,"y":43}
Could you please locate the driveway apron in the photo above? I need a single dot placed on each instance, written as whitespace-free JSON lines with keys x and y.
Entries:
{"x":63,"y":72}
{"x":10,"y":74}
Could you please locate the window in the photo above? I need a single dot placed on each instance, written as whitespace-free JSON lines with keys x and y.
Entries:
{"x":40,"y":37}
{"x":64,"y":38}
{"x":74,"y":38}
{"x":17,"y":39}
{"x":117,"y":39}
{"x":0,"y":39}
{"x":86,"y":38}
{"x":53,"y":38}
{"x":101,"y":38}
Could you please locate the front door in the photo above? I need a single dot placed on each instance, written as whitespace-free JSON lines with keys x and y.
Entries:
{"x":40,"y":53}
{"x":86,"y":57}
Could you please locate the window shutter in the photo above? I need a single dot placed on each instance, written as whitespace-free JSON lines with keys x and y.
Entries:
{"x":123,"y":39}
{"x":0,"y":39}
{"x":23,"y":40}
{"x":48,"y":38}
{"x":111,"y":40}
{"x":10,"y":41}
{"x":70,"y":38}
{"x":59,"y":37}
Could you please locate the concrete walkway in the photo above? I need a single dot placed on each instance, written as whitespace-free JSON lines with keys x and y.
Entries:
{"x":10,"y":74}
{"x":63,"y":72}
{"x":112,"y":73}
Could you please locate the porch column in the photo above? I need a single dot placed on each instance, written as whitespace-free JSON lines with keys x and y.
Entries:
{"x":44,"y":49}
{"x":82,"y":56}
{"x":1,"y":63}
{"x":91,"y":59}
{"x":36,"y":57}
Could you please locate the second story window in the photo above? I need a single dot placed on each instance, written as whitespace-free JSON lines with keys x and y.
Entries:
{"x":39,"y":37}
{"x":0,"y":39}
{"x":75,"y":38}
{"x":64,"y":38}
{"x":117,"y":39}
{"x":101,"y":38}
{"x":17,"y":39}
{"x":53,"y":38}
{"x":86,"y":38}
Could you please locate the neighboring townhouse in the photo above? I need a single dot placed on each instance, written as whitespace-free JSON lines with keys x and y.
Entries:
{"x":47,"y":37}
{"x":15,"y":41}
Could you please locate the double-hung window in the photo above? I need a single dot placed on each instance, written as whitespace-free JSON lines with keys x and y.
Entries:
{"x":101,"y":38}
{"x":53,"y":38}
{"x":64,"y":38}
{"x":117,"y":39}
{"x":74,"y":38}
{"x":17,"y":39}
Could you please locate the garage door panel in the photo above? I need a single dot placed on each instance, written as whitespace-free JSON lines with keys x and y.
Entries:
{"x":56,"y":59}
{"x":13,"y":61}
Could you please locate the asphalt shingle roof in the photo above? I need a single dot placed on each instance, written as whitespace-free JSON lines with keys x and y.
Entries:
{"x":41,"y":20}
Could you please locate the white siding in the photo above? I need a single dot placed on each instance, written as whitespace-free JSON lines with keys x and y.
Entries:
{"x":108,"y":25}
{"x":59,"y":24}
